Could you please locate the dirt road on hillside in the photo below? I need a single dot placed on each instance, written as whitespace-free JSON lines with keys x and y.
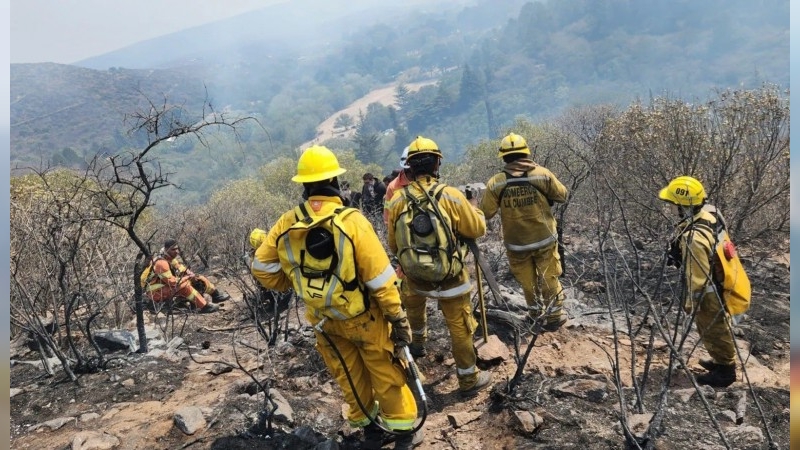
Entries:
{"x":384,"y":96}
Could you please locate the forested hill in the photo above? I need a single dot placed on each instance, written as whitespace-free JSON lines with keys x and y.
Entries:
{"x":492,"y":65}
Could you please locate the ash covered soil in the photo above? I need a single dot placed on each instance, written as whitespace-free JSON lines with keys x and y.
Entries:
{"x":565,"y":397}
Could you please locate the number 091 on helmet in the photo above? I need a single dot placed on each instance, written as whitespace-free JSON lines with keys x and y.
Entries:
{"x":684,"y":191}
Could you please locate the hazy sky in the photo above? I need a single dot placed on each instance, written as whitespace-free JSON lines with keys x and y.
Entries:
{"x":66,"y":31}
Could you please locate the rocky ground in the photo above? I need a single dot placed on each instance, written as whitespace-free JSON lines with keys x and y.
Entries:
{"x":184,"y":393}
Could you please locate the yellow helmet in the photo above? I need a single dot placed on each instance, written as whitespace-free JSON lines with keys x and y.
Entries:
{"x":422,"y":145}
{"x":257,"y":236}
{"x":685,"y":191}
{"x":513,"y":143}
{"x":317,"y":163}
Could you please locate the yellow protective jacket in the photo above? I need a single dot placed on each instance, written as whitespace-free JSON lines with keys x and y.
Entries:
{"x":467,"y":222}
{"x":372,"y":264}
{"x":697,"y":245}
{"x":528,"y":222}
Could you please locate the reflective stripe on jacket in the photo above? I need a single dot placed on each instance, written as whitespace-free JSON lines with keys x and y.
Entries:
{"x":525,"y":214}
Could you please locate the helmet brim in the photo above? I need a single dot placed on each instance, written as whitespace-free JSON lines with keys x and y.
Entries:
{"x":524,"y":151}
{"x":318,"y":176}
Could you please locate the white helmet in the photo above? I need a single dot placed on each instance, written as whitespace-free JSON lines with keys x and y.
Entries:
{"x":403,"y":158}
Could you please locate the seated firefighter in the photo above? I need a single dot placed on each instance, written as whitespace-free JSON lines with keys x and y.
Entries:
{"x":168,"y":278}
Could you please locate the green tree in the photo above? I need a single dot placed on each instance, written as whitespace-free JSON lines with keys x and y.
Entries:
{"x":344,"y":120}
{"x":470,"y":89}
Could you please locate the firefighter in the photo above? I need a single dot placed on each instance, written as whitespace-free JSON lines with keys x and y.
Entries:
{"x":453,"y":293}
{"x":353,"y":300}
{"x":523,"y":194}
{"x":168,"y":277}
{"x":692,"y":247}
{"x":200,"y":282}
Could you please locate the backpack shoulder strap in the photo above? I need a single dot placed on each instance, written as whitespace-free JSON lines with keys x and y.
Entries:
{"x":301,"y":213}
{"x":712,"y":229}
{"x":437,"y":190}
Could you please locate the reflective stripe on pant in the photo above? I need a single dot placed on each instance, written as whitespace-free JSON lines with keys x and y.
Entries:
{"x":713,"y":328}
{"x":365,"y":346}
{"x":461,"y":323}
{"x":203,"y":285}
{"x":537,"y":271}
{"x":185,"y":290}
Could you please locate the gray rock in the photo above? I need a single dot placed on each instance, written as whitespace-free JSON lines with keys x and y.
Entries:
{"x":459,"y":419}
{"x":88,"y":417}
{"x":592,"y":390}
{"x":53,"y":424}
{"x":684,"y":395}
{"x":726,"y":416}
{"x":173,"y":345}
{"x":528,"y":421}
{"x":15,"y":391}
{"x":747,"y":434}
{"x":284,"y":411}
{"x":189,"y":419}
{"x":115,"y":340}
{"x":94,"y":440}
{"x":219,"y":369}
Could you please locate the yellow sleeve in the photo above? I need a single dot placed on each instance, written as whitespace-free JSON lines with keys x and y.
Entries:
{"x":394,"y":208}
{"x":556,"y":191}
{"x":468,"y":221}
{"x":490,"y":202}
{"x":372,"y":263}
{"x":266,"y":267}
{"x":696,"y":248}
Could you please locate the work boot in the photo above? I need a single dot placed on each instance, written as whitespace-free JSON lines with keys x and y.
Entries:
{"x":219,"y":296}
{"x":484,"y":380}
{"x":554,"y":325}
{"x":373,"y":437}
{"x":209,"y":308}
{"x":417,"y":350}
{"x":721,"y":376}
{"x":409,"y":441}
{"x":708,"y":364}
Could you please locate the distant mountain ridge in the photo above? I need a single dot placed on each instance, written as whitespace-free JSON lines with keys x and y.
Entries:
{"x":56,"y":105}
{"x":294,"y":69}
{"x":281,"y":29}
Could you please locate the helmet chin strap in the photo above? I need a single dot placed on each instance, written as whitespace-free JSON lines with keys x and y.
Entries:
{"x":685,"y":211}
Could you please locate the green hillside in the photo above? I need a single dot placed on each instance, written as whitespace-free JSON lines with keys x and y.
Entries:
{"x":550,"y":56}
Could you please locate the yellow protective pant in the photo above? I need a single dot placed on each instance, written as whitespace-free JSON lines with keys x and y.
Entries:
{"x":367,"y":350}
{"x":461,"y":324}
{"x":537,"y":272}
{"x":712,"y":325}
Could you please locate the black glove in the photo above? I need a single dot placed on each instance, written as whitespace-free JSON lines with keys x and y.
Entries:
{"x":674,"y":255}
{"x":468,"y":193}
{"x":401,"y":329}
